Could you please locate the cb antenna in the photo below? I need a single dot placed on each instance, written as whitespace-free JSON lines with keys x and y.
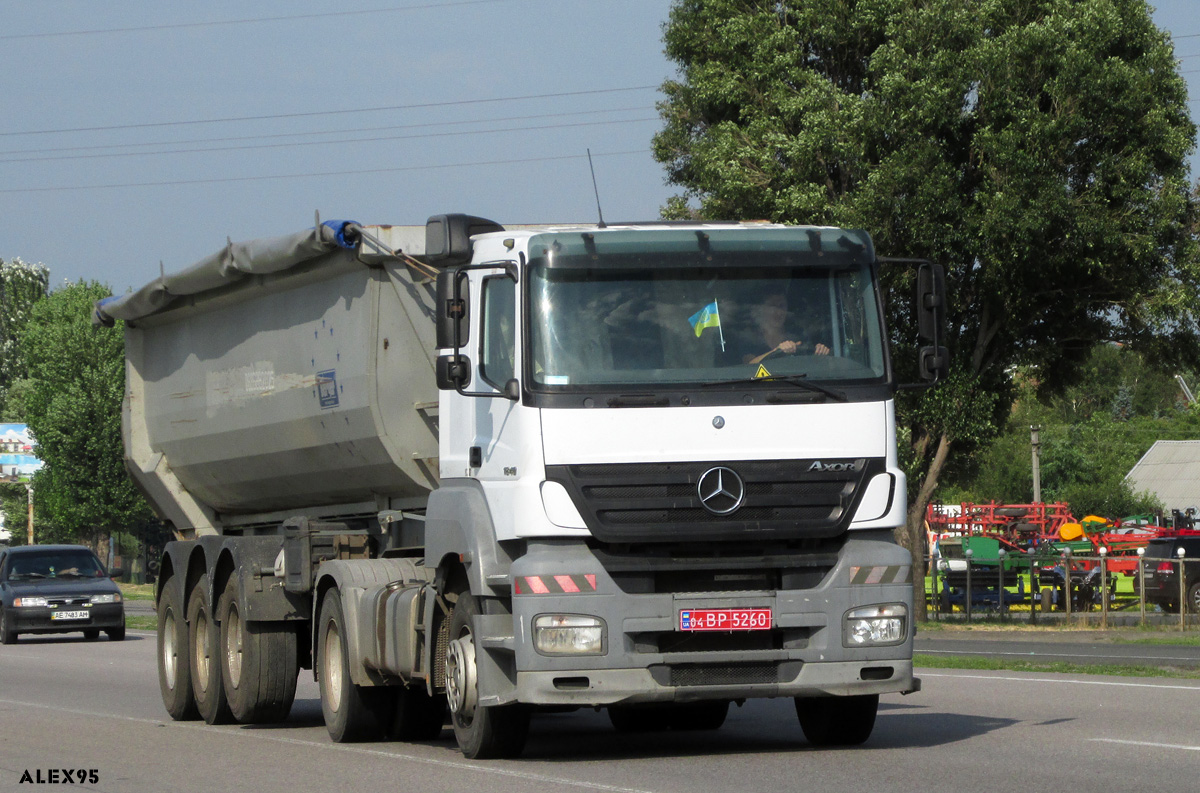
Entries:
{"x":596,"y":190}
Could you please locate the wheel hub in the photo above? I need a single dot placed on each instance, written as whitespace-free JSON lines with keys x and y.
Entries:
{"x":233,"y":650}
{"x":168,"y":649}
{"x":460,"y":677}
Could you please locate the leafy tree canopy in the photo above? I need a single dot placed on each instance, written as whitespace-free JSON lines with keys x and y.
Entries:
{"x":73,"y":407}
{"x":1036,"y":148}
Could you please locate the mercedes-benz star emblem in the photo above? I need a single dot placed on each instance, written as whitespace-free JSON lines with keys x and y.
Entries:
{"x":721,"y":490}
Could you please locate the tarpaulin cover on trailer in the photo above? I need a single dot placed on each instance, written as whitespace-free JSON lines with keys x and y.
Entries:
{"x":232,"y":263}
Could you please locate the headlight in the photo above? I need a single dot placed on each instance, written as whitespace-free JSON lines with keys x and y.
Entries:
{"x":112,"y":597}
{"x":29,"y":601}
{"x":872,"y":626}
{"x":568,"y":634}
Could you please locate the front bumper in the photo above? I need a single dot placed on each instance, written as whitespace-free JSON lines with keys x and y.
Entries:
{"x":647,"y":659}
{"x":40,"y":619}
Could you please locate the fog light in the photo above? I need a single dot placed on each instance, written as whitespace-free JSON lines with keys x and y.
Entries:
{"x":875,"y":625}
{"x":568,"y":634}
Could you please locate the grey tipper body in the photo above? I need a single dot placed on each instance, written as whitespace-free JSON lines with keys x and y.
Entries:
{"x":443,"y":467}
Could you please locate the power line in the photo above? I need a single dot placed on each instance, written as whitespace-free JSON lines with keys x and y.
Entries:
{"x":327,"y":142}
{"x":256,"y":20}
{"x":312,"y":113}
{"x":350,"y":130}
{"x":317,"y":173}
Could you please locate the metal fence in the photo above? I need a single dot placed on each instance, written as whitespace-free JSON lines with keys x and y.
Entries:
{"x":1098,"y":589}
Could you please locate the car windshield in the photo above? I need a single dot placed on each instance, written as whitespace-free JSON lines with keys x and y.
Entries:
{"x":54,"y":564}
{"x":650,"y":318}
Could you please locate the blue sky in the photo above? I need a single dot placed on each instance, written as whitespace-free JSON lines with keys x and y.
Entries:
{"x":408,"y":109}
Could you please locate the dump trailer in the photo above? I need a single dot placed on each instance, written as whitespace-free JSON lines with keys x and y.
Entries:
{"x":465,"y":472}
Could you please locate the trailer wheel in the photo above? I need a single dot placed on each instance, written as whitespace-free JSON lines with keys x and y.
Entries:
{"x":837,"y":721}
{"x":259,"y":665}
{"x":419,"y":717}
{"x":482,"y":732}
{"x":174,"y":670}
{"x":352,"y":712}
{"x":204,"y":657}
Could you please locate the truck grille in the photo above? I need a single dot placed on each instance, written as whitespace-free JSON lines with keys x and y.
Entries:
{"x":724,"y":674}
{"x":784,"y":499}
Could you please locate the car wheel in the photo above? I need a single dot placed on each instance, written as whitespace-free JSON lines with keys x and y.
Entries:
{"x":1194,"y":597}
{"x":91,"y":634}
{"x":116,"y":634}
{"x":7,"y":634}
{"x":204,"y":657}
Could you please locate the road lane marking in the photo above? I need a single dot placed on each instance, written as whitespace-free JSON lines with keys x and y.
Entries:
{"x":1151,"y":744}
{"x":464,"y":766}
{"x":1114,"y":684}
{"x":1193,"y":659}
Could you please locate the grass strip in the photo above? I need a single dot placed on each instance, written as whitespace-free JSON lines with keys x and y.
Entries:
{"x":1056,"y":667}
{"x":141,"y":622}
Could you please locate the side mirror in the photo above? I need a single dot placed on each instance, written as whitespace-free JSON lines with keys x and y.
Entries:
{"x":931,"y":301}
{"x":453,"y":372}
{"x":512,"y":390}
{"x":453,"y":309}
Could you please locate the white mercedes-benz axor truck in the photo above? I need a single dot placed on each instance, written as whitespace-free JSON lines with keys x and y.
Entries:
{"x":465,"y":472}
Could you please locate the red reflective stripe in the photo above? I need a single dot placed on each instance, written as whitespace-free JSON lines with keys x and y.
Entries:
{"x":591,"y":579}
{"x":536,"y":586}
{"x":517,"y":586}
{"x":566,"y":583}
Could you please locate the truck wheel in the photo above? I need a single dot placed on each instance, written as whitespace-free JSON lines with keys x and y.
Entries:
{"x":7,"y":634}
{"x":352,"y":712}
{"x":174,"y":671}
{"x":419,"y":717}
{"x":204,"y":657}
{"x":698,"y":715}
{"x":259,"y":664}
{"x":837,"y":721}
{"x":482,"y":732}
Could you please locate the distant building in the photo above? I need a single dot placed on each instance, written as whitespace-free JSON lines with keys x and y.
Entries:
{"x":17,"y":462}
{"x":1170,"y":471}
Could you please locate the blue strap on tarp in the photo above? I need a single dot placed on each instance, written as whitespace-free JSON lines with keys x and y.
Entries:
{"x":338,"y":227}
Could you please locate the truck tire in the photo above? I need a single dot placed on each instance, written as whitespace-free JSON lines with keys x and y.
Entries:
{"x":204,"y":657}
{"x":174,"y":669}
{"x":419,"y":717}
{"x":481,"y":732}
{"x":837,"y":721}
{"x":352,"y":712}
{"x":259,"y":664}
{"x":7,"y":634}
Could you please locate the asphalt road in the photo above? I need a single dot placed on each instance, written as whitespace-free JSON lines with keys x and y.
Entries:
{"x":70,"y":704}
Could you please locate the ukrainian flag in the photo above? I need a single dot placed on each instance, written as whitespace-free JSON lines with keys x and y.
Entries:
{"x":708,"y":317}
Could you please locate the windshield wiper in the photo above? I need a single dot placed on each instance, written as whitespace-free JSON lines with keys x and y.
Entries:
{"x":800,"y":380}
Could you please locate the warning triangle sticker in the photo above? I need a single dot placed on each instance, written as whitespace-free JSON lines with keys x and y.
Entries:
{"x":762,"y":372}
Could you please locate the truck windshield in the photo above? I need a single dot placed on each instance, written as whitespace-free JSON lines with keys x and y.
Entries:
{"x":651,"y":319}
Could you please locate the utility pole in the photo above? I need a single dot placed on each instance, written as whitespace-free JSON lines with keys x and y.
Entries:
{"x":29,"y":492}
{"x":1036,"y":442}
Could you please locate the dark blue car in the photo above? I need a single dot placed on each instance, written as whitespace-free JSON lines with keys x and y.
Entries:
{"x":57,"y":589}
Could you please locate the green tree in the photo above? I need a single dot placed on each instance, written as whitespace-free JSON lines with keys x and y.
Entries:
{"x":21,"y":285}
{"x":1036,"y":148}
{"x":73,"y":407}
